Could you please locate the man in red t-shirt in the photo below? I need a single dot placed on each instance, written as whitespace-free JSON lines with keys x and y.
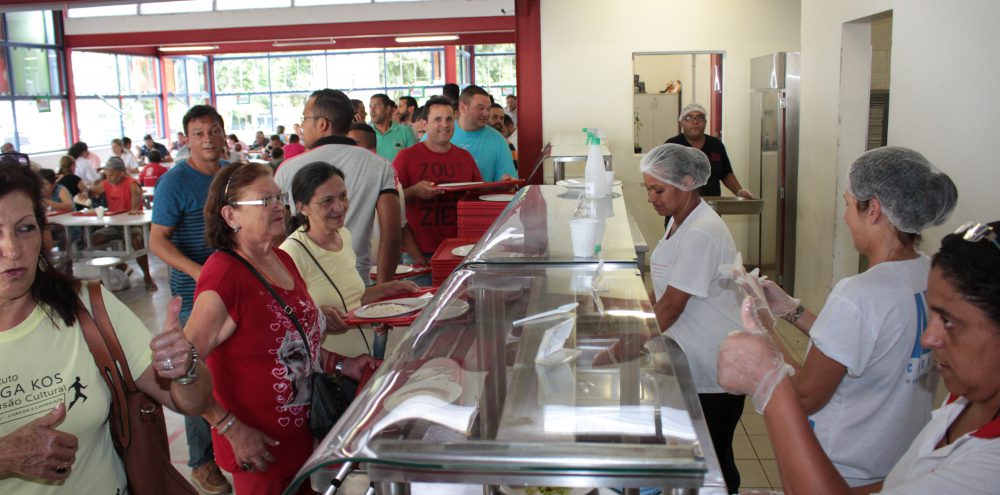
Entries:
{"x":431,"y":212}
{"x":121,"y":193}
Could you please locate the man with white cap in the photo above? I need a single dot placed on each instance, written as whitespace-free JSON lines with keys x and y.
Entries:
{"x":692,"y":121}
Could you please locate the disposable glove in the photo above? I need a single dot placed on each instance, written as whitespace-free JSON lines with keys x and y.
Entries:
{"x":750,"y":362}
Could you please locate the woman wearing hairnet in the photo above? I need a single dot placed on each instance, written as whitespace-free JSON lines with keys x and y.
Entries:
{"x":866,"y":382}
{"x":695,"y":304}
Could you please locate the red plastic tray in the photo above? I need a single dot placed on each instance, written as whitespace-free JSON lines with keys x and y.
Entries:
{"x":483,"y":185}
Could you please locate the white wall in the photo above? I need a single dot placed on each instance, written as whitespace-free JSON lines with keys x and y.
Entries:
{"x":587,"y":51}
{"x":943,"y":104}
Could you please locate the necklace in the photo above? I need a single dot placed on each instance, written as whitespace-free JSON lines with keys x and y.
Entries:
{"x":947,"y":431}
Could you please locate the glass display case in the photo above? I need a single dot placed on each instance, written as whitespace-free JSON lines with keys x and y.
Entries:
{"x":547,"y":371}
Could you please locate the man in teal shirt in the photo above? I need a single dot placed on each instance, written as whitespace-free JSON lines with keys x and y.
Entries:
{"x":488,"y":147}
{"x":391,"y":137}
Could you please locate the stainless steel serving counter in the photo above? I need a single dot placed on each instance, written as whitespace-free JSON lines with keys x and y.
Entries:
{"x":485,"y":389}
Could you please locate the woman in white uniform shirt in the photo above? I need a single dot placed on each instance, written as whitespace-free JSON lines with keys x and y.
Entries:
{"x":958,"y":451}
{"x":867,"y":383}
{"x":695,"y":304}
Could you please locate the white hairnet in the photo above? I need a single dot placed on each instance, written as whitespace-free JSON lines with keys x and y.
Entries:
{"x":914,"y":195}
{"x":691,"y":107}
{"x":672,"y":163}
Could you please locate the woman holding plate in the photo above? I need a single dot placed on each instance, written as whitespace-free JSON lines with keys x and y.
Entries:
{"x":320,"y":246}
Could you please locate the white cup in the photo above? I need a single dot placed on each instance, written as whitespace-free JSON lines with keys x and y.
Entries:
{"x":583,"y":232}
{"x":100,"y":212}
{"x":609,"y":175}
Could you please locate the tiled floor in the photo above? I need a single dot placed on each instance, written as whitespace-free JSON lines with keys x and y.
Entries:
{"x":754,"y":455}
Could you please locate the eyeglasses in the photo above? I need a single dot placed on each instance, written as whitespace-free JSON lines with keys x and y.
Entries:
{"x":976,"y":231}
{"x":304,"y":118}
{"x":13,"y":158}
{"x":694,"y":118}
{"x":281,"y":199}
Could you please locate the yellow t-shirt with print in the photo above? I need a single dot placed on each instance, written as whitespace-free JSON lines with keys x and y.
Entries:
{"x":44,"y":362}
{"x":340,"y":267}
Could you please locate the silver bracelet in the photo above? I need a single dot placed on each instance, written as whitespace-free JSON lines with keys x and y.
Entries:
{"x":229,"y":424}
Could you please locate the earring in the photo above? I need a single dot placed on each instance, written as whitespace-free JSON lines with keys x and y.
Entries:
{"x":43,"y":263}
{"x":236,"y":228}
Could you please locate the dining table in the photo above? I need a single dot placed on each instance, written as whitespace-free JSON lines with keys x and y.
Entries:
{"x":91,"y":223}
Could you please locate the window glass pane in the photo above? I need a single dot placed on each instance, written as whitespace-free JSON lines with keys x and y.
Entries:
{"x":4,"y":82}
{"x":251,"y":4}
{"x":41,"y":130}
{"x":7,"y":123}
{"x":94,"y":73}
{"x":141,"y":116}
{"x":99,"y":120}
{"x":107,"y":10}
{"x":32,"y":68}
{"x":177,"y":7}
{"x":197,"y":82}
{"x":498,"y":48}
{"x":288,"y":109}
{"x":31,"y":27}
{"x":304,"y":3}
{"x":138,"y":75}
{"x":241,"y":75}
{"x":177,"y":106}
{"x":298,"y":72}
{"x":173,"y":75}
{"x":356,"y":70}
{"x":495,"y":70}
{"x":244,"y":119}
{"x":408,"y":68}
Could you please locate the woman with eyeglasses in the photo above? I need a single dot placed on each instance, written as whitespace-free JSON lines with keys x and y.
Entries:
{"x":958,"y":450}
{"x":320,"y":245}
{"x":260,"y":333}
{"x":867,"y":383}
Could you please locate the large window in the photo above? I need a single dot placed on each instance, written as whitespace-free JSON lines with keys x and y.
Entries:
{"x":32,"y":94}
{"x":117,"y":95}
{"x":261,"y":91}
{"x":496,"y":69}
{"x":186,"y":80}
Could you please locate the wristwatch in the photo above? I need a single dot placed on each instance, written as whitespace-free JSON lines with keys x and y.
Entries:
{"x":192,"y":372}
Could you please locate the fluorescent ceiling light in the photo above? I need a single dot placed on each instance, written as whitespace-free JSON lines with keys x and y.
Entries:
{"x":251,"y":4}
{"x":189,"y":48}
{"x":102,"y":11}
{"x":315,"y":41}
{"x":310,"y":3}
{"x":176,"y":7}
{"x":419,"y":39}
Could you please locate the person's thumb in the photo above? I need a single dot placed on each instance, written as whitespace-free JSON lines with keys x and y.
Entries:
{"x":53,"y":418}
{"x":173,"y":310}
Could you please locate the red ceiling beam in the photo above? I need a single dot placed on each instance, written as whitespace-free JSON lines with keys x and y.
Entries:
{"x":343,"y":32}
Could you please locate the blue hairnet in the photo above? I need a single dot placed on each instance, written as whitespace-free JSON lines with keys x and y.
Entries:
{"x":914,"y":195}
{"x":671,"y":163}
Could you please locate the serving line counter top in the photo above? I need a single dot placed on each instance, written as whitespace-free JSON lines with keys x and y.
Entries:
{"x":486,"y":390}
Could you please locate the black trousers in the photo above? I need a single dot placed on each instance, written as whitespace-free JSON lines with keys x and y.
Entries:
{"x":722,"y":414}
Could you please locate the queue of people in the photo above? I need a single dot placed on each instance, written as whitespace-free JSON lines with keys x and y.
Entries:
{"x":261,"y":301}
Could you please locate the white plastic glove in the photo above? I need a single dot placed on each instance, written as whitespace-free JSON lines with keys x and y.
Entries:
{"x":778,"y":300}
{"x":750,"y":362}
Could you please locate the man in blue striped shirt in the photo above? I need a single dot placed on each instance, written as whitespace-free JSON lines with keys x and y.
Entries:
{"x":178,"y":238}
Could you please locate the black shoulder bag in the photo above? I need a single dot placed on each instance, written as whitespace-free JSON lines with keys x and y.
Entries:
{"x":330,"y":392}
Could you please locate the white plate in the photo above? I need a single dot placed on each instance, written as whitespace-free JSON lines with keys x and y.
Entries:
{"x":497,"y":197}
{"x":439,"y":389}
{"x":459,"y":184}
{"x":374,"y":310}
{"x":399,"y":269}
{"x":532,"y":490}
{"x":463,"y":251}
{"x":454,"y":309}
{"x":579,"y":183}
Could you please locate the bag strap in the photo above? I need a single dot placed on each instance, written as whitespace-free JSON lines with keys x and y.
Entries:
{"x":342,"y":300}
{"x":288,"y":310}
{"x":109,"y":358}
